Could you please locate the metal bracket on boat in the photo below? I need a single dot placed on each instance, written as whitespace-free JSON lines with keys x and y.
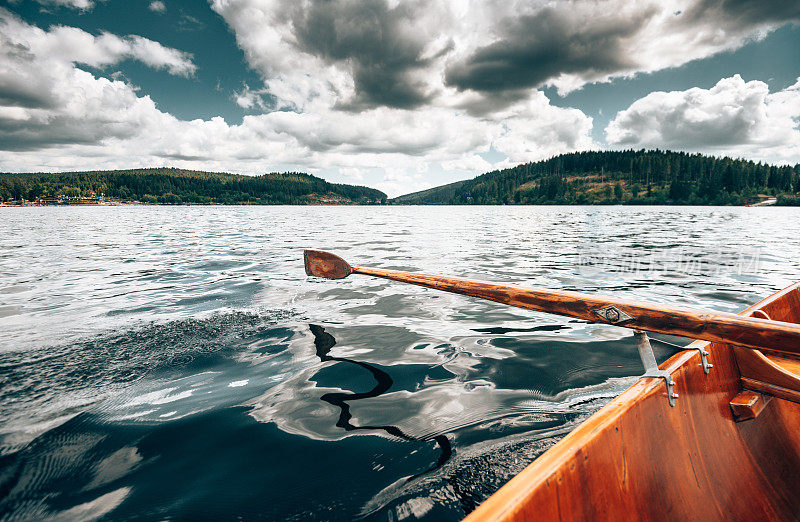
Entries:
{"x":702,"y":351}
{"x":651,"y":366}
{"x":703,"y":357}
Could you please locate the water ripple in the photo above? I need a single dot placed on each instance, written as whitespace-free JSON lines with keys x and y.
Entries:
{"x":157,"y":362}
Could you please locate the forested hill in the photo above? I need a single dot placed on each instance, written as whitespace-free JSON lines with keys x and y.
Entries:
{"x":628,"y":177}
{"x":175,"y":186}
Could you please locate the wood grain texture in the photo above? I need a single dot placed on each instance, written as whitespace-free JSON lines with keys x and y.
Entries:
{"x":788,"y":364}
{"x":748,"y":405}
{"x":788,"y":394}
{"x":754,"y":366}
{"x":324,"y":264}
{"x":640,"y":459}
{"x":693,"y":324}
{"x":768,"y":370}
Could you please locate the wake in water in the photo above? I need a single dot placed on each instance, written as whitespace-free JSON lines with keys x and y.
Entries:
{"x":246,"y":414}
{"x":250,"y":415}
{"x":42,"y":388}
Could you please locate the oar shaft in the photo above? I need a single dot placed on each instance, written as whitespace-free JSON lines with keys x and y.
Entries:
{"x":708,"y":326}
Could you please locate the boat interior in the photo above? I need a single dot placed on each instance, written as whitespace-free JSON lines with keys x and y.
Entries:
{"x":773,"y":372}
{"x":727,"y":446}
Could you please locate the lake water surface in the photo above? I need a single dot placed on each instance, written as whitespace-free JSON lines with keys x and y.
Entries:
{"x":176,"y":362}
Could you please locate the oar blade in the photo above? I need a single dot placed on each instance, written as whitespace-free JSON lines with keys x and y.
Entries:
{"x":325,"y":264}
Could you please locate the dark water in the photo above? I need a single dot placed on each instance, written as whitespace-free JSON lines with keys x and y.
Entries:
{"x":175,"y":362}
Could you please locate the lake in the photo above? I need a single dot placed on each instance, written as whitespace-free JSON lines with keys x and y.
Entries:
{"x":176,"y":362}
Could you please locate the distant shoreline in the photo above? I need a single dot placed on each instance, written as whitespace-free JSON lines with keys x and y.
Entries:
{"x":767,"y":203}
{"x":625,"y":177}
{"x":177,"y":186}
{"x":29,"y":204}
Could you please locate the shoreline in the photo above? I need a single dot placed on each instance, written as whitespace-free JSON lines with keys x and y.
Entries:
{"x":316,"y":204}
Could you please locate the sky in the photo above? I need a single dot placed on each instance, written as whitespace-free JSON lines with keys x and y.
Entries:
{"x":393,"y":94}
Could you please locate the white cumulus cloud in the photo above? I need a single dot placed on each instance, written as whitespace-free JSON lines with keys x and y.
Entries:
{"x":56,"y":116}
{"x":398,"y":93}
{"x":83,"y":5}
{"x":406,"y":53}
{"x":734,"y":117}
{"x":72,"y":45}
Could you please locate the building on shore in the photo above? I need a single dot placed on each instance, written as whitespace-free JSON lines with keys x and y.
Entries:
{"x":70,"y":200}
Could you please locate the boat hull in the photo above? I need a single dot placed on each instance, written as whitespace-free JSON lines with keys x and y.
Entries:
{"x":640,"y":458}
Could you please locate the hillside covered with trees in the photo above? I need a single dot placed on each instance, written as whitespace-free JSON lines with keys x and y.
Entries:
{"x":622,"y":177}
{"x":177,"y":186}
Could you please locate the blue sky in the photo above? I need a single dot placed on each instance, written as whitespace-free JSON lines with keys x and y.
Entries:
{"x":188,"y":26}
{"x":395,"y":95}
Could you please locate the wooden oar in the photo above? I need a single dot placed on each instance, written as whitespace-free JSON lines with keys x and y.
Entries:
{"x":652,"y":317}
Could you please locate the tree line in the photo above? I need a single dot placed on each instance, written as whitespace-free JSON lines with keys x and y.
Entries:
{"x":627,"y":177}
{"x":178,"y":186}
{"x":597,"y":177}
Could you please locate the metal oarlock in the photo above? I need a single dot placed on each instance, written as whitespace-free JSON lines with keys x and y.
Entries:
{"x":702,"y":351}
{"x":703,"y":357}
{"x":651,"y":366}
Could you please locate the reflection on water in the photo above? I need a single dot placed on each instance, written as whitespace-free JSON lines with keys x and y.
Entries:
{"x":323,"y":342}
{"x":157,"y":362}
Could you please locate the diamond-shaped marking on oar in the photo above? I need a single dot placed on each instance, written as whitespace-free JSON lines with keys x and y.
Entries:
{"x":613,"y":315}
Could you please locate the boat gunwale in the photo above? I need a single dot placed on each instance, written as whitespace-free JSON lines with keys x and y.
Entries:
{"x":504,"y":502}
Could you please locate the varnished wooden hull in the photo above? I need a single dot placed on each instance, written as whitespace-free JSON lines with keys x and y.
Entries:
{"x":638,"y":458}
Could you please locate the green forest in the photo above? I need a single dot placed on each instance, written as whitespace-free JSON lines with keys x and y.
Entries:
{"x":602,"y":177}
{"x":178,"y":186}
{"x":638,"y":177}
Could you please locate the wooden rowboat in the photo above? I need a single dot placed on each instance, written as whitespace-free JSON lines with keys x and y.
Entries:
{"x":728,"y":450}
{"x":720,"y":443}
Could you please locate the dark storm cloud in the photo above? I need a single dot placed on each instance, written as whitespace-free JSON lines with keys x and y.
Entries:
{"x":18,"y":86}
{"x":741,"y":14}
{"x":16,"y":93}
{"x":487,"y":105}
{"x":538,"y":48}
{"x":184,"y":157}
{"x":24,"y":136}
{"x":58,"y":130}
{"x":369,"y":36}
